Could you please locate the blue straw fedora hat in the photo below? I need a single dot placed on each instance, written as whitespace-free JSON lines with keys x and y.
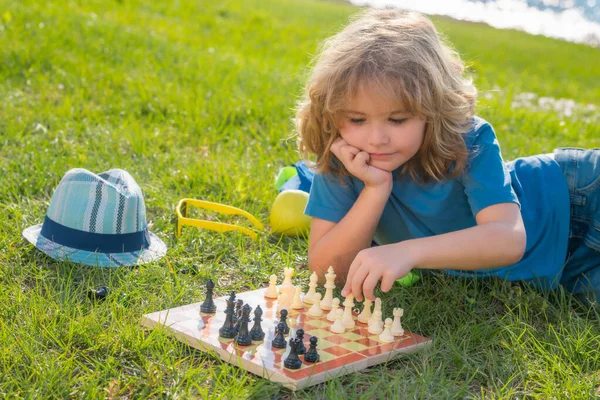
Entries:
{"x":97,"y":220}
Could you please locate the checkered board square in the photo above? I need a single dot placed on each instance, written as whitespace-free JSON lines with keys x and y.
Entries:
{"x":340,"y":354}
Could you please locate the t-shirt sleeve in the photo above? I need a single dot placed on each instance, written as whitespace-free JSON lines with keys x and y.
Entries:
{"x":330,"y":198}
{"x":486,"y":179}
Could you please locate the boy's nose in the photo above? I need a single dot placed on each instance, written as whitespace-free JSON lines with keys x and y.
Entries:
{"x":378,"y":136}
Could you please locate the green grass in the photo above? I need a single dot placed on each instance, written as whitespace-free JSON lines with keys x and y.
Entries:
{"x":195,"y":99}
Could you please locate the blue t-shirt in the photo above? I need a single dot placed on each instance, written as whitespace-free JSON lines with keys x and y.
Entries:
{"x":416,"y":210}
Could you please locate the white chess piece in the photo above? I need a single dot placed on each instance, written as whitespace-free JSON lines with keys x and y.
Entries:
{"x":297,"y":301}
{"x":338,"y":325}
{"x":271,"y":292}
{"x":375,"y":323}
{"x":397,"y":329}
{"x":386,"y":336}
{"x":286,"y":298}
{"x":376,"y":308}
{"x":315,"y":310}
{"x":329,"y":286}
{"x":335,"y":304}
{"x":348,"y":319}
{"x":312,"y":288}
{"x":365,"y":315}
{"x":287,"y":276}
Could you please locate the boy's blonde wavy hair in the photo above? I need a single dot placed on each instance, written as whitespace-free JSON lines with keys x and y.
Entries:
{"x":401,"y":54}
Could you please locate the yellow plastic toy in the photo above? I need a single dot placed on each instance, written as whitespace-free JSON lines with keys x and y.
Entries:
{"x":182,"y":218}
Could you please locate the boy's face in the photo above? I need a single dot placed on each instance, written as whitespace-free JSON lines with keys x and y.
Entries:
{"x":371,"y":123}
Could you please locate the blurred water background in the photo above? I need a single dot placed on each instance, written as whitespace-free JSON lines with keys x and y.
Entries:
{"x":572,"y":20}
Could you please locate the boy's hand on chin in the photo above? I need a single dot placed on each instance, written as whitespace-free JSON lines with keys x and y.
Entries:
{"x":356,"y":162}
{"x":382,"y":263}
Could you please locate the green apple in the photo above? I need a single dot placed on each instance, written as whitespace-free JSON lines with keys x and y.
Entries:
{"x":287,"y":213}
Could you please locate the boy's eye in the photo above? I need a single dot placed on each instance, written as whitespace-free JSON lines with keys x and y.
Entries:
{"x":398,"y":121}
{"x":357,"y":120}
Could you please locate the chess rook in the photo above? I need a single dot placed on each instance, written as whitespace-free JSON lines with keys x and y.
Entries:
{"x":293,"y":361}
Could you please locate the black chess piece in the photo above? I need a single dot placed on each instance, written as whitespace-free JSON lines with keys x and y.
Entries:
{"x":209,"y":306}
{"x":283,"y":319}
{"x":226,"y":331}
{"x":293,"y":361}
{"x":279,"y":340}
{"x":238,"y":310}
{"x":243,"y":337}
{"x":192,"y":269}
{"x":300,"y":337}
{"x":256,"y":333}
{"x":311,"y":355}
{"x":98,"y":294}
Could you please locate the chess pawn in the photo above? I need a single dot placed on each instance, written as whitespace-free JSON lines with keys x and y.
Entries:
{"x":271,"y":292}
{"x":311,"y":355}
{"x":300,"y":337}
{"x":338,"y":325}
{"x":312,"y":288}
{"x":283,"y":320}
{"x":279,"y":339}
{"x":329,"y":286}
{"x":297,"y":300}
{"x":375,"y":323}
{"x":377,"y":308}
{"x":315,"y":310}
{"x":209,"y":306}
{"x":348,"y":319}
{"x":256,"y":333}
{"x":365,"y":315}
{"x":397,"y":329}
{"x":386,"y":336}
{"x":335,"y":303}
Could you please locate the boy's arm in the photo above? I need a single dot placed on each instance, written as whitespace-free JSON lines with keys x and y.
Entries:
{"x":498,"y":240}
{"x":337,"y":244}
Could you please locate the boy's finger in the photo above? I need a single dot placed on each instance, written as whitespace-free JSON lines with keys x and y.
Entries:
{"x":386,"y":283}
{"x":363,"y":157}
{"x":369,"y":285}
{"x":348,"y":286}
{"x":357,"y":281}
{"x":336,"y":146}
{"x":350,"y":149}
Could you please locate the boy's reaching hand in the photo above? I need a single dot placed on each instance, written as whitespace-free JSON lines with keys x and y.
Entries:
{"x":386,"y":263}
{"x":356,"y":162}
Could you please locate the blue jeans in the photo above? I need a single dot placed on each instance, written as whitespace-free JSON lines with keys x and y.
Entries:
{"x":581,"y":273}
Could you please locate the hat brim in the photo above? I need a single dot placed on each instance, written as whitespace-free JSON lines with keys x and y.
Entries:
{"x":155,"y":251}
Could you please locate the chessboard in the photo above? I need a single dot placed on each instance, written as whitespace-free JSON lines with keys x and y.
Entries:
{"x":339,"y":354}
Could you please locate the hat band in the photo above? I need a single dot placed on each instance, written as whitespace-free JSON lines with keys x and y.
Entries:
{"x":95,"y":242}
